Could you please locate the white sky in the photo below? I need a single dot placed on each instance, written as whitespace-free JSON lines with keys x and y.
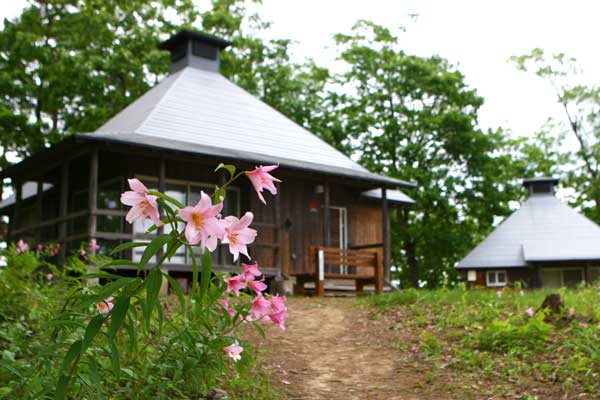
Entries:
{"x":478,"y":36}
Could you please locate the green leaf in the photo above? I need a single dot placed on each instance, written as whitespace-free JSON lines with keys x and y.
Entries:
{"x":219,"y":194}
{"x":61,"y":387}
{"x":126,"y":246}
{"x":106,"y":291}
{"x":118,"y":315}
{"x":73,"y":352}
{"x":177,"y":290}
{"x":194,"y":271}
{"x":153,"y":282}
{"x":114,"y":357}
{"x":91,"y":331}
{"x":228,"y":167}
{"x":166,"y":198}
{"x":153,"y":247}
{"x":206,"y":273}
{"x":117,"y":263}
{"x":172,"y":248}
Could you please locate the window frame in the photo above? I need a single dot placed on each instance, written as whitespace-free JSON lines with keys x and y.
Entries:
{"x":496,"y":282}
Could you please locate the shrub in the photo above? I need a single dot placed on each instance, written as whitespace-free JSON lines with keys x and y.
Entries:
{"x":72,"y":339}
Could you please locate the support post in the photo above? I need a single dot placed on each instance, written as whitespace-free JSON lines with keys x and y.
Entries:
{"x":277,"y":250}
{"x":222,"y":255}
{"x":39,"y":207}
{"x":62,"y":211}
{"x":162,"y":187}
{"x":326,"y":215}
{"x":93,"y":203}
{"x":18,"y":186}
{"x":378,"y":273}
{"x":320,"y":275}
{"x":93,"y":193}
{"x":385,"y":213}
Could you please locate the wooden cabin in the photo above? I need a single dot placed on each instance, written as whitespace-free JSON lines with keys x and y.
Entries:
{"x":172,"y":138}
{"x":545,"y":243}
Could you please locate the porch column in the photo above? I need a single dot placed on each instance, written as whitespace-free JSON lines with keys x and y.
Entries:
{"x":18,"y":187}
{"x":162,"y":187}
{"x":278,"y":235}
{"x":385,"y":213}
{"x":326,"y":216}
{"x":62,"y":211}
{"x":39,"y":207}
{"x":93,"y":193}
{"x":222,"y":251}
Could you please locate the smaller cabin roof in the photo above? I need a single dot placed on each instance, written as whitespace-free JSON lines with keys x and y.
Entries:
{"x":543,"y":229}
{"x":393,"y":196}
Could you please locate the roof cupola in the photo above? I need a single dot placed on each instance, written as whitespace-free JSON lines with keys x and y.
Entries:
{"x":194,"y":49}
{"x":541,"y":186}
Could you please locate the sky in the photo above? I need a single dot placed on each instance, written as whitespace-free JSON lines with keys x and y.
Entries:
{"x":476,"y":36}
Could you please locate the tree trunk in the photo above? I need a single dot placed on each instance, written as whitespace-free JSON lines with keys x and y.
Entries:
{"x":410,"y":250}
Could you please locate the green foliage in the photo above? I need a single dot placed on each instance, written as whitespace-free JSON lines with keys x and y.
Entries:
{"x":415,"y":118}
{"x":477,"y":331}
{"x":61,"y":336}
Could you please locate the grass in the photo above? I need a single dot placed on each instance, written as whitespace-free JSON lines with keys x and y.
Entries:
{"x":477,"y":331}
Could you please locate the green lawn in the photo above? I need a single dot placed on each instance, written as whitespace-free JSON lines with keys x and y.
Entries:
{"x":494,"y":335}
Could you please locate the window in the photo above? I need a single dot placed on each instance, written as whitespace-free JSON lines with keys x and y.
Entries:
{"x":496,"y":278}
{"x":561,"y":277}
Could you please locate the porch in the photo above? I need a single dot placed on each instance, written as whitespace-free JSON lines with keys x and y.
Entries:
{"x":71,"y":195}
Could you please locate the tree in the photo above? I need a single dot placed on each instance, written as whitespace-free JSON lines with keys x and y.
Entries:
{"x":415,"y":118}
{"x":581,"y":105}
{"x":68,"y":66}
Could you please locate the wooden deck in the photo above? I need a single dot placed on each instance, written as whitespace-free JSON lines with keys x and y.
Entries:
{"x":364,"y":267}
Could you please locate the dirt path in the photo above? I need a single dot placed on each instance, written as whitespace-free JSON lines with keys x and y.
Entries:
{"x":333,"y":350}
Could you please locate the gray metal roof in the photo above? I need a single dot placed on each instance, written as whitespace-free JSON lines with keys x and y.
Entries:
{"x":393,"y":196}
{"x":202,"y":111}
{"x":543,"y":229}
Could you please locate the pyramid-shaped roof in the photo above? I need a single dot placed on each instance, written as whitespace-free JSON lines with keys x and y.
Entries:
{"x":201,"y":111}
{"x":542,"y":229}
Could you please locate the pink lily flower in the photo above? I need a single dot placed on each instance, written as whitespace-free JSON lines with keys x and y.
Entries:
{"x":50,"y":277}
{"x":261,"y":179}
{"x":235,"y":284}
{"x":260,"y":307}
{"x":530,"y":312}
{"x":278,"y":318}
{"x":250,"y":271}
{"x":571,"y":312}
{"x":223,"y":305}
{"x":40,"y":247}
{"x":202,"y":223}
{"x":499,"y":293}
{"x":105,"y":306}
{"x":238,"y":235}
{"x":257,"y":286}
{"x":54,"y":249}
{"x":278,"y":303}
{"x":233,"y":351}
{"x":94,"y":247}
{"x":521,"y":293}
{"x":22,"y":246}
{"x":583,"y":325}
{"x":142,"y":204}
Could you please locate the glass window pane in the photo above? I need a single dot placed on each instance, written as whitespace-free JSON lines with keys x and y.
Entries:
{"x":501,"y":277}
{"x":551,"y":278}
{"x":109,"y":194}
{"x":572,"y":277}
{"x":491,"y":277}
